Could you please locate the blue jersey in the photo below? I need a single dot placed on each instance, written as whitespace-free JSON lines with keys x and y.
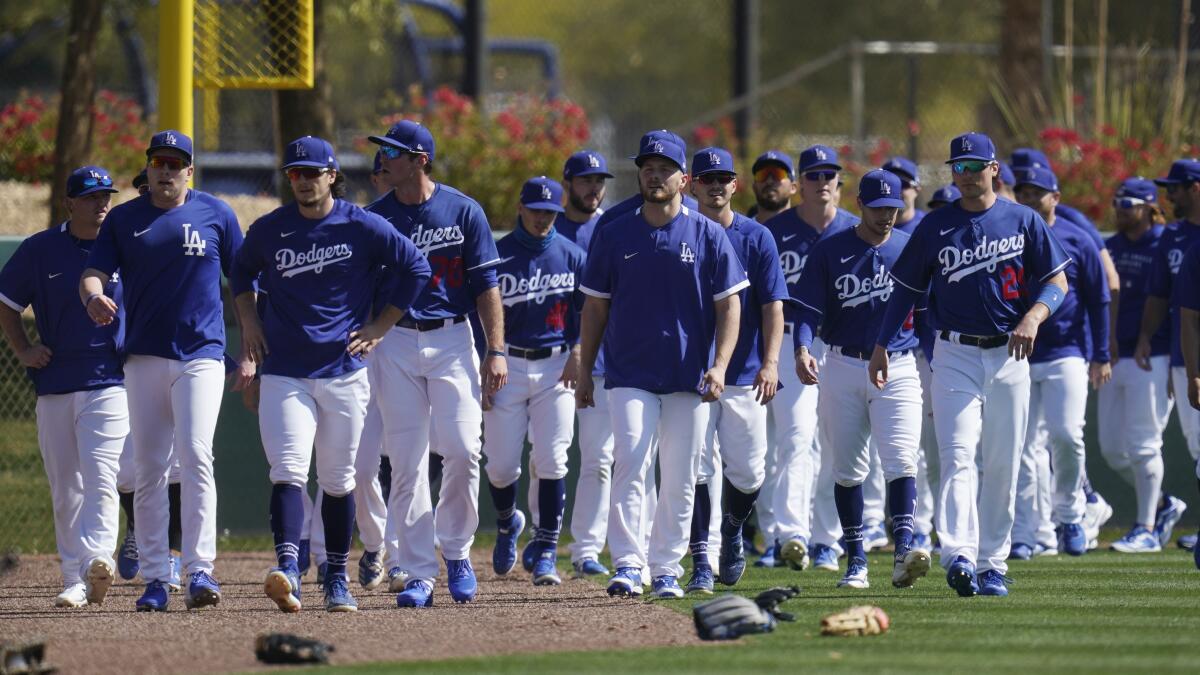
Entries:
{"x":794,"y":238}
{"x":909,"y":225}
{"x":1175,"y":242}
{"x":451,"y":230}
{"x":1079,"y":327}
{"x":1076,"y":218}
{"x":322,"y":277}
{"x":579,"y":234}
{"x":755,"y":248}
{"x":44,"y":272}
{"x":631,"y":204}
{"x":1134,"y":261}
{"x":663,"y":284}
{"x":845,"y":288}
{"x":978,"y":266}
{"x":171,"y":264}
{"x":1189,"y":280}
{"x":540,"y":292}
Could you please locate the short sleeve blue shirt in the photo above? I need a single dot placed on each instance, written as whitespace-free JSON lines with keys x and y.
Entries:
{"x":540,"y":292}
{"x":1174,"y":244}
{"x":1134,"y":260}
{"x":755,"y":248}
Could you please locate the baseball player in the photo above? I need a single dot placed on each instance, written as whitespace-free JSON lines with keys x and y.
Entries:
{"x":633,"y":202}
{"x":774,"y":185}
{"x":1004,"y":181}
{"x":429,"y":370}
{"x":171,"y":247}
{"x":662,"y":284}
{"x":379,"y":175}
{"x":1189,"y":339}
{"x":319,"y":258}
{"x":1062,"y":364}
{"x":738,"y":420}
{"x":1182,"y":183}
{"x":585,"y":182}
{"x":843,"y":292}
{"x":795,"y":405}
{"x":538,"y":275}
{"x":82,"y":416}
{"x":906,"y":169}
{"x":994,"y":273}
{"x":947,"y":194}
{"x":1133,"y":408}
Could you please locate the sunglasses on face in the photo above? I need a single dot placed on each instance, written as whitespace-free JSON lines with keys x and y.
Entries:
{"x":820,"y":176}
{"x":909,"y":185}
{"x":713,"y":178}
{"x":305,"y":172}
{"x":970,"y":166}
{"x":92,"y":182}
{"x":172,"y":163}
{"x":1127,"y":202}
{"x":768,"y":172}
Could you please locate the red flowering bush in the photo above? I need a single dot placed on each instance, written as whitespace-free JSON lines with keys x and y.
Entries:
{"x":1089,"y":169}
{"x":29,"y":124}
{"x":489,"y":155}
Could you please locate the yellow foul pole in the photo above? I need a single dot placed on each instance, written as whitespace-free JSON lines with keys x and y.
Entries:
{"x":175,"y":65}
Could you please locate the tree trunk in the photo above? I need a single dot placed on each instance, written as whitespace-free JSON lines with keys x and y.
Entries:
{"x":1021,"y":60}
{"x":305,"y":112}
{"x":73,"y":143}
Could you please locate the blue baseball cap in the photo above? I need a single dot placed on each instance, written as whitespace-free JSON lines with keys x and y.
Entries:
{"x":408,"y":136}
{"x":1138,"y":188}
{"x":1029,"y":157}
{"x":972,"y":145}
{"x":818,"y":156}
{"x":665,"y":148}
{"x":542,"y":194}
{"x":88,"y":179}
{"x":879,"y":188}
{"x":172,"y":140}
{"x":586,"y":163}
{"x":140,"y":180}
{"x":377,"y":163}
{"x":1006,"y":174}
{"x":661,"y":135}
{"x":1182,"y":171}
{"x":903,"y":167}
{"x":309,"y":151}
{"x":945,"y":195}
{"x":1037,"y":176}
{"x":775,"y":157}
{"x":712,"y":160}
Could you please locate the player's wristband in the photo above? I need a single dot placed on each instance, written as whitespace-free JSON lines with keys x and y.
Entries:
{"x":496,"y":352}
{"x":1051,"y":296}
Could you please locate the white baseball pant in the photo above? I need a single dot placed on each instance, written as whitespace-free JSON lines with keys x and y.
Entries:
{"x":1189,"y":417}
{"x":927,"y":453}
{"x":681,"y":420}
{"x":173,"y":409}
{"x":795,"y":411}
{"x":1033,"y":512}
{"x":533,"y":401}
{"x":1132,"y":412}
{"x":589,"y":514}
{"x":980,"y":404}
{"x":858,"y":414}
{"x":431,"y":378}
{"x":81,"y":435}
{"x":370,"y":510}
{"x":874,"y":491}
{"x":709,"y":476}
{"x":127,"y":469}
{"x":826,"y":525}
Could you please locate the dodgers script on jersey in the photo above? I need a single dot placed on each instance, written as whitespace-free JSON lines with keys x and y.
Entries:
{"x":755,"y":248}
{"x":171,"y":264}
{"x":1083,"y":310}
{"x":451,"y":230}
{"x":794,"y":238}
{"x":322,"y":275}
{"x":1176,"y":240}
{"x":977,"y":265}
{"x":686,"y":264}
{"x":844,"y":288}
{"x":1134,"y":261}
{"x":540,"y":292}
{"x":44,"y":272}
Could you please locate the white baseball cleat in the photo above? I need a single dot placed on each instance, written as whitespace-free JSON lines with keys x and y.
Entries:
{"x":98,"y":579}
{"x":856,"y":575}
{"x":913,"y":566}
{"x":74,"y":595}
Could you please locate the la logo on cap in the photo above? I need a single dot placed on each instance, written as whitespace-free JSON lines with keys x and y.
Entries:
{"x":546,"y":192}
{"x":966,"y":145}
{"x":420,"y":148}
{"x":301,"y":151}
{"x":170,"y":139}
{"x":821,"y":154}
{"x":714,"y":159}
{"x":884,"y":188}
{"x":656,"y":147}
{"x":593,"y":162}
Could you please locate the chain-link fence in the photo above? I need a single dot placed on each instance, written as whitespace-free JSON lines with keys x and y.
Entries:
{"x":28,"y":517}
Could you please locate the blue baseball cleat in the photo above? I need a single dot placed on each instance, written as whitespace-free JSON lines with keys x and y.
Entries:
{"x":770,"y":556}
{"x":154,"y":599}
{"x":1167,"y":518}
{"x":337,"y":594}
{"x":370,"y":570}
{"x":992,"y":582}
{"x":627,"y":582}
{"x":283,"y":587}
{"x":504,"y":555}
{"x":666,"y":587}
{"x":1020,"y":551}
{"x":701,"y":581}
{"x":202,"y":591}
{"x":1187,"y":542}
{"x":1072,"y":539}
{"x":460,"y":577}
{"x":874,"y":537}
{"x":529,"y":554}
{"x":589,"y":567}
{"x":732,"y":559}
{"x":961,"y":577}
{"x":856,"y":574}
{"x":417,"y":593}
{"x":545,"y":570}
{"x":922,"y":541}
{"x":127,"y":559}
{"x":1137,"y":540}
{"x":824,"y":557}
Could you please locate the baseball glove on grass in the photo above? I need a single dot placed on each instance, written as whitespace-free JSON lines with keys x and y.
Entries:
{"x":861,"y":620}
{"x":730,"y":616}
{"x":288,"y":648}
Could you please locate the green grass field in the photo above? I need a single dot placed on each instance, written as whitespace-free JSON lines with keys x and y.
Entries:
{"x":1106,"y":612}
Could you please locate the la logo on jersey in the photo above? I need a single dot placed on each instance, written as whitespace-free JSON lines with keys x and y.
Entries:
{"x":686,"y":254}
{"x":853,"y":290}
{"x":193,"y":244}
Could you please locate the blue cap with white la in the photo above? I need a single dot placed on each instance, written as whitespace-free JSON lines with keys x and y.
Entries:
{"x":945,"y":195}
{"x":1037,"y":176}
{"x":1006,"y":174}
{"x":309,"y":151}
{"x":408,"y":136}
{"x":819,"y":156}
{"x":89,"y":179}
{"x":775,"y":157}
{"x":171,"y":140}
{"x":712,"y":160}
{"x":1182,"y":171}
{"x":903,"y":167}
{"x":665,"y":148}
{"x":972,"y":145}
{"x":586,"y":163}
{"x":542,"y":194}
{"x":879,"y":188}
{"x":1137,"y":190}
{"x":661,"y":135}
{"x":1029,"y":157}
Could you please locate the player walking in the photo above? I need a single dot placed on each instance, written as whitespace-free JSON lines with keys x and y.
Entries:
{"x":662,"y":283}
{"x":171,"y":247}
{"x":979,"y":258}
{"x":1189,"y":339}
{"x":774,"y":185}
